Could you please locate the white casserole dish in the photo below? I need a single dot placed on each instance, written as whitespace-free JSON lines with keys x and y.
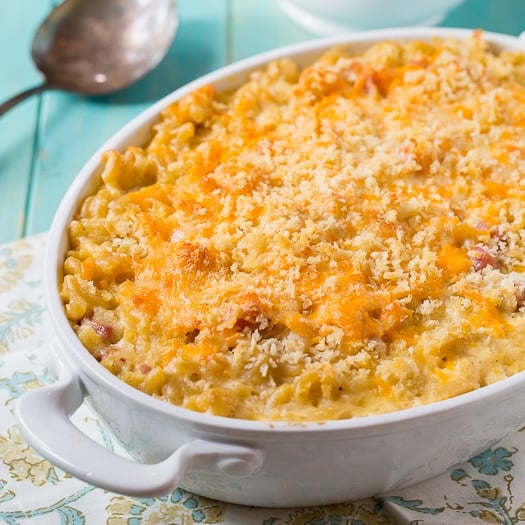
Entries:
{"x":239,"y":461}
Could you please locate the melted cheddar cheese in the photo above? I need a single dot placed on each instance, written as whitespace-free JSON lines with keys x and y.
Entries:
{"x":334,"y":242}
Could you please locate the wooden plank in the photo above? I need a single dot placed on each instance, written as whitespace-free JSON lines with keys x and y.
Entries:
{"x":74,"y":127}
{"x":18,"y":21}
{"x":259,"y":26}
{"x":503,"y":16}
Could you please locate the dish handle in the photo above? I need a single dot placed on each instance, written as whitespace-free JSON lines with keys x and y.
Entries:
{"x":43,"y":417}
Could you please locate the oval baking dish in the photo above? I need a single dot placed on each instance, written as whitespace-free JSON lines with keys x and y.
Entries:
{"x":235,"y":460}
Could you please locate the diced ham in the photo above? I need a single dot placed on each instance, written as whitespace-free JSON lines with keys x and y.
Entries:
{"x":482,"y":225}
{"x":144,"y":368}
{"x":481,"y":258}
{"x":103,"y":330}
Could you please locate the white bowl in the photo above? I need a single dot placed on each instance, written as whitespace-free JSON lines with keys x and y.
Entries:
{"x":248,"y":462}
{"x":331,"y":17}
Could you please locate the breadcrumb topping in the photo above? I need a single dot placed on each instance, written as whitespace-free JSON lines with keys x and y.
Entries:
{"x":329,"y":243}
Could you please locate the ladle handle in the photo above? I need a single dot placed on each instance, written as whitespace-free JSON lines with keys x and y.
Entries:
{"x":13,"y":101}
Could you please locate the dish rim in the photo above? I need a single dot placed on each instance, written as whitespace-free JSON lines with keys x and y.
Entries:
{"x":73,"y":352}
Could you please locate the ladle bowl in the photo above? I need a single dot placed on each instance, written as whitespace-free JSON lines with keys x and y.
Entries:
{"x":98,"y":47}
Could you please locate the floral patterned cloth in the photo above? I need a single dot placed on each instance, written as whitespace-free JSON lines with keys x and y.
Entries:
{"x":489,"y":488}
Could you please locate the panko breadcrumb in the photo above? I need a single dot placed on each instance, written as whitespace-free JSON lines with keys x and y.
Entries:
{"x":335,"y":242}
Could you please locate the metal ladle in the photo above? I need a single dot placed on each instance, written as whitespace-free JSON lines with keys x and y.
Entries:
{"x":96,"y":47}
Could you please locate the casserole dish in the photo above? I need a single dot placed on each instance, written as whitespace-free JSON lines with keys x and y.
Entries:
{"x":240,"y":461}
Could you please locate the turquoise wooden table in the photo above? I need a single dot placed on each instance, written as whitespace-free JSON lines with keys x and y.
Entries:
{"x":46,"y":140}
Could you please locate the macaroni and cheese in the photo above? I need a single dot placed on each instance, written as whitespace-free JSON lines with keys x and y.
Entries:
{"x":335,"y":242}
